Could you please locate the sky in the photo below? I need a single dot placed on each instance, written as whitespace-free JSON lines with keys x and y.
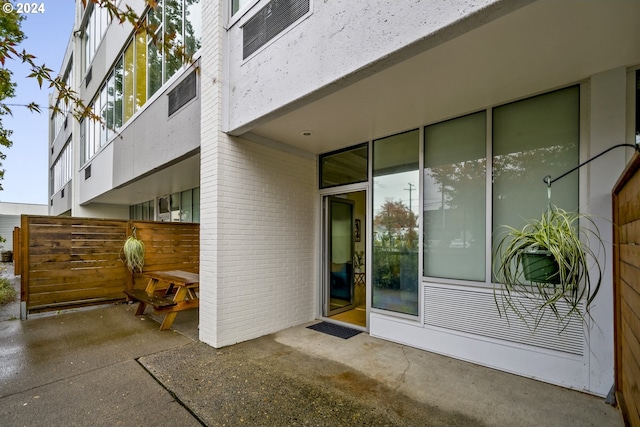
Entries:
{"x":26,"y":177}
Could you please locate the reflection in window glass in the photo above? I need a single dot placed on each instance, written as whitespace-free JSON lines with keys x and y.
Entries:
{"x":192,"y":27}
{"x":178,"y":207}
{"x":155,"y":69}
{"x":173,"y":30}
{"x":102,"y":106}
{"x":129,"y":82}
{"x":154,"y":51}
{"x":175,"y":207}
{"x":236,"y":5}
{"x":344,"y":167}
{"x":141,"y":68}
{"x":186,"y":206}
{"x":534,"y":138}
{"x":142,"y":211}
{"x":118,"y":104}
{"x":196,"y":205}
{"x":111,"y":93}
{"x":395,"y":223}
{"x":454,"y":198}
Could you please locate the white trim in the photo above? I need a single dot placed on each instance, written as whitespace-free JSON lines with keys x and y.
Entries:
{"x":324,"y":194}
{"x":559,"y":368}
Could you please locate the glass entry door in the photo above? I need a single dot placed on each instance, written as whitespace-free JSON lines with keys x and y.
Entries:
{"x":339,"y":241}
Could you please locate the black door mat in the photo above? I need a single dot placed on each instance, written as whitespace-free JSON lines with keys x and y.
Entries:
{"x":335,"y":330}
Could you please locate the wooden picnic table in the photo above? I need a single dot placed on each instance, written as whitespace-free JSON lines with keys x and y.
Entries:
{"x":182,"y":285}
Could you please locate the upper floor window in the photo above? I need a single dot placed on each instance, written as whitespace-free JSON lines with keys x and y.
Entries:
{"x":94,"y":28}
{"x":62,"y":107}
{"x":236,"y":5}
{"x":142,"y":69}
{"x":62,"y":168}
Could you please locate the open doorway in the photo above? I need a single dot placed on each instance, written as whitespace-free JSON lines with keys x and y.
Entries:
{"x":345,"y":283}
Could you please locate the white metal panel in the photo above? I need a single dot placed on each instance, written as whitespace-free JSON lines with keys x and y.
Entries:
{"x":554,"y":367}
{"x":474,"y":311}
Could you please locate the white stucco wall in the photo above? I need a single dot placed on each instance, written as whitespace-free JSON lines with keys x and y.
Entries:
{"x":607,"y":127}
{"x":336,"y":45}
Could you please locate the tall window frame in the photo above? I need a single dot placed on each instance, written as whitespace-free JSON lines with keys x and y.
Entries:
{"x":515,"y":150}
{"x":128,"y":87}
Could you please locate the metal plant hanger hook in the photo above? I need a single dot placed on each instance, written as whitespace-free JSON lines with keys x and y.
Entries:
{"x":547,"y":179}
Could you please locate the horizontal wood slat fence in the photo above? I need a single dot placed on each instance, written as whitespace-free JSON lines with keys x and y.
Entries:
{"x":68,"y":262}
{"x":626,"y":217}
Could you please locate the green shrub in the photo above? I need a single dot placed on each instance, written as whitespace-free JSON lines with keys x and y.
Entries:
{"x":7,"y":291}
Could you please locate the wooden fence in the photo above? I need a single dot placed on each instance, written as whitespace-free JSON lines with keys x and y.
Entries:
{"x":626,"y":217}
{"x":67,"y":262}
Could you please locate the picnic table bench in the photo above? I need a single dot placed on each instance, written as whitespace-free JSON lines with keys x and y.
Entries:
{"x":168,"y":292}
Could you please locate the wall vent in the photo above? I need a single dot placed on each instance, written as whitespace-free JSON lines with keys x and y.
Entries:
{"x":270,"y":21}
{"x":183,"y":93}
{"x":474,"y":311}
{"x":87,"y":172}
{"x":87,"y":79}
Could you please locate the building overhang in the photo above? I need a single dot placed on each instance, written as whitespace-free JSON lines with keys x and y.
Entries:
{"x":545,"y":45}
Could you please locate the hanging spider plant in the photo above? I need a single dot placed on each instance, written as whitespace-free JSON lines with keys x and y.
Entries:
{"x":133,"y":250}
{"x":547,"y":262}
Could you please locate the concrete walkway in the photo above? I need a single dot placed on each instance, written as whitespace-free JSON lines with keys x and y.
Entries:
{"x":106,"y":366}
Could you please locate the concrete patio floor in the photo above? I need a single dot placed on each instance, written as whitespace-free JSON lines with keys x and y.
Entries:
{"x":106,"y":366}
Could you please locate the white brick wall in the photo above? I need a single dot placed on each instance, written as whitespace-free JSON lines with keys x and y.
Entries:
{"x":258,"y":225}
{"x":268,"y":243}
{"x":209,"y":130}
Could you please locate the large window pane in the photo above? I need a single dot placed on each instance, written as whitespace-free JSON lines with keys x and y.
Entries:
{"x":186,"y":208}
{"x":531,"y":139}
{"x":395,"y":223}
{"x":175,"y":207}
{"x":196,"y":205}
{"x":454,"y":198}
{"x":155,"y":16}
{"x":155,"y":50}
{"x":102,"y":105}
{"x":111,"y":93}
{"x":344,"y":167}
{"x":192,"y":27}
{"x":141,"y":68}
{"x":129,"y":83}
{"x":173,"y":31}
{"x":83,"y":140}
{"x":119,"y":93}
{"x":236,"y":5}
{"x":155,"y":69}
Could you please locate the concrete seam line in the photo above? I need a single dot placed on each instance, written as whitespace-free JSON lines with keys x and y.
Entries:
{"x":175,"y":397}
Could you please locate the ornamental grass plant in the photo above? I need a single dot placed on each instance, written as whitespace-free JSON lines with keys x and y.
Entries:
{"x":133,"y":250}
{"x":566,"y":245}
